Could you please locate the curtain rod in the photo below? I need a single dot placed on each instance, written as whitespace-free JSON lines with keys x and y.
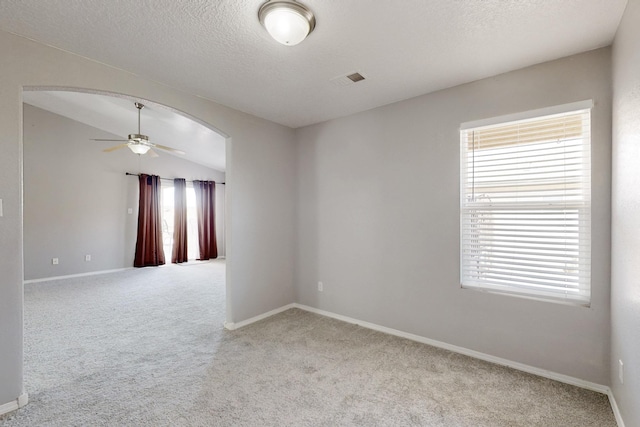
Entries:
{"x":166,"y":179}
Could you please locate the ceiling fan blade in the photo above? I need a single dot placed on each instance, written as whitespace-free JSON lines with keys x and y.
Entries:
{"x":153,"y":153}
{"x":165,"y":148}
{"x":112,"y":140}
{"x":115,"y":147}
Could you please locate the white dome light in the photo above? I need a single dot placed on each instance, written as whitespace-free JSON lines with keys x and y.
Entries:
{"x":287,"y":22}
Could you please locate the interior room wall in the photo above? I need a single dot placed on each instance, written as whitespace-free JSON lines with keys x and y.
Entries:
{"x":378,"y":222}
{"x":625,"y":243}
{"x":260,"y":191}
{"x":76,"y":197}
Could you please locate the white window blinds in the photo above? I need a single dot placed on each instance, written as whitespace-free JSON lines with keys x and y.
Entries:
{"x":526,"y":207}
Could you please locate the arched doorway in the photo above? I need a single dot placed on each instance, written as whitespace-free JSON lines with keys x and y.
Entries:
{"x":80,"y":167}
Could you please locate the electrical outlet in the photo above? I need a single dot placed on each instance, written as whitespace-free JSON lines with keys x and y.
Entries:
{"x":621,"y":371}
{"x":87,"y":257}
{"x":130,"y":211}
{"x":54,"y":261}
{"x":320,"y":287}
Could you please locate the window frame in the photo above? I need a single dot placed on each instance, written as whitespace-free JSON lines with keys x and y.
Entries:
{"x":583,"y":295}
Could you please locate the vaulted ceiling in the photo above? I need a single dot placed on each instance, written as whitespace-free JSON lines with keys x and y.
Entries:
{"x":217,"y":48}
{"x":119,"y":116}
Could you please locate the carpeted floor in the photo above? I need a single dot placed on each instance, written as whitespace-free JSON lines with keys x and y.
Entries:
{"x":146,"y":347}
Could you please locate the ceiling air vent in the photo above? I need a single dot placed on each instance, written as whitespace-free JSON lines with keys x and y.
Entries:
{"x":355,"y":77}
{"x":347,"y":79}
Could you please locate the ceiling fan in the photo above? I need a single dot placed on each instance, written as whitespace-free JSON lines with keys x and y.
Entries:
{"x":139,"y":143}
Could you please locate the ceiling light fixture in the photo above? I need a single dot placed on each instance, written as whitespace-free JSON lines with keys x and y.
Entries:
{"x":288,"y":22}
{"x":138,"y":148}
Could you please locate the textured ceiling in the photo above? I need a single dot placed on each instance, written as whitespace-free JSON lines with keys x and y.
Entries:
{"x":217,"y":48}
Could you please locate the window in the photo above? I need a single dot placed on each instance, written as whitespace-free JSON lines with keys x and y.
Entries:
{"x":167,"y":215}
{"x":525,"y":204}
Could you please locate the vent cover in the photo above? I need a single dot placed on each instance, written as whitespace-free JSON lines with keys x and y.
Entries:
{"x":347,"y":79}
{"x":355,"y":77}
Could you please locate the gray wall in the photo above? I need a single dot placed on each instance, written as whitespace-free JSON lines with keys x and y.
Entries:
{"x":625,"y":244}
{"x":378,"y":200}
{"x":76,"y":197}
{"x":260,"y":194}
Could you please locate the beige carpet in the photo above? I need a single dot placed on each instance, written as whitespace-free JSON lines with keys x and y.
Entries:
{"x":146,"y":347}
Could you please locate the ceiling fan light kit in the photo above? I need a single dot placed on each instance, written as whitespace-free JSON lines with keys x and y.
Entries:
{"x":139,"y":148}
{"x":288,"y":22}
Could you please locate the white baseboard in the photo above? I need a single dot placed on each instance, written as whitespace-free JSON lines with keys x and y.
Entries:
{"x":70,"y":276}
{"x":454,"y":348}
{"x":615,"y":409}
{"x":23,"y":399}
{"x":14,"y":405}
{"x":461,"y":350}
{"x":233,"y":326}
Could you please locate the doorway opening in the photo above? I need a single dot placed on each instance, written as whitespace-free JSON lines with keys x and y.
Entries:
{"x":80,"y":208}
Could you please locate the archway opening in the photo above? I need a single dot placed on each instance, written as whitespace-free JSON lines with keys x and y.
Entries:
{"x":80,"y":221}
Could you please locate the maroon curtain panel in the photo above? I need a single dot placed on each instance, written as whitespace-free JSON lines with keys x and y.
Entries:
{"x":179,"y":251}
{"x":206,"y":207}
{"x":149,"y":250}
